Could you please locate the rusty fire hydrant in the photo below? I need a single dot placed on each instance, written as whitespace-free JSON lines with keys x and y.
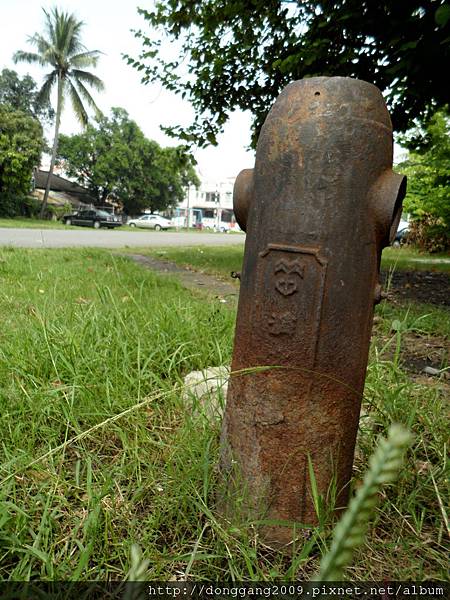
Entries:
{"x":319,"y":206}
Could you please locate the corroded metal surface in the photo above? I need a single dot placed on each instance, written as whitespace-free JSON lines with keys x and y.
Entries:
{"x":319,"y":206}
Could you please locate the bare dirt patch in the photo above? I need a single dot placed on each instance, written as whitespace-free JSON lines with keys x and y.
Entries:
{"x":424,"y":356}
{"x":420,"y":352}
{"x":191,"y":279}
{"x":420,"y":286}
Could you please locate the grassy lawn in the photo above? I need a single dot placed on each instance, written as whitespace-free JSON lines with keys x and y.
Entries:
{"x":99,"y":450}
{"x":23,"y":223}
{"x":221,"y":261}
{"x":409,"y":259}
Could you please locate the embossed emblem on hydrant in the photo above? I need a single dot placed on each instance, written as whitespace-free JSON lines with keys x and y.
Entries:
{"x":319,"y":206}
{"x":286,"y":282}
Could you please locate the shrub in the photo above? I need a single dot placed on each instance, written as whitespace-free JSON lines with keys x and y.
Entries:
{"x":429,"y":233}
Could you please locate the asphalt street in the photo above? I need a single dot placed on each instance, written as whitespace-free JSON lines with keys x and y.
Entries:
{"x":80,"y":237}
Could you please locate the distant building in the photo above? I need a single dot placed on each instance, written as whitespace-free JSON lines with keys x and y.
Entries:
{"x":62,"y":191}
{"x":211,"y":206}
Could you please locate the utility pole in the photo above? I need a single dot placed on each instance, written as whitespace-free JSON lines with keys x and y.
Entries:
{"x":217,"y":203}
{"x":188,"y":209}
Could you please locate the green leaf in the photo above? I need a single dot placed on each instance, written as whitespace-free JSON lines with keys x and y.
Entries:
{"x":397,"y":325}
{"x":442,"y":15}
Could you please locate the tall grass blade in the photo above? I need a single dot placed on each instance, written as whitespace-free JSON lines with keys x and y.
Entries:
{"x":350,"y":532}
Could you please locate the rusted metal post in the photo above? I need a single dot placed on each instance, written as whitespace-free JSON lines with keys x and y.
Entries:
{"x":319,"y":206}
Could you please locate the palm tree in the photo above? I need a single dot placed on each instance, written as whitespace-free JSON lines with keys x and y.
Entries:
{"x":61,"y":49}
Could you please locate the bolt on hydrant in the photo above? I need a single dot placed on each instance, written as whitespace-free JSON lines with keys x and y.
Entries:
{"x":318,"y":208}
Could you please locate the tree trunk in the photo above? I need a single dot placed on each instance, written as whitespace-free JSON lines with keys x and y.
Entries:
{"x":55,"y":145}
{"x":104,"y":195}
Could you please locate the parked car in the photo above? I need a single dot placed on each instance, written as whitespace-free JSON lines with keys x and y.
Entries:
{"x":227,"y":227}
{"x":92,"y":218}
{"x":223,"y":227}
{"x":155,"y":222}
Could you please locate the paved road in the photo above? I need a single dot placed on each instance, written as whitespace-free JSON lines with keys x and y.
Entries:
{"x":61,"y":238}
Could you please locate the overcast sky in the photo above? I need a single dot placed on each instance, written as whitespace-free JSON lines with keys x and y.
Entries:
{"x":108,"y":25}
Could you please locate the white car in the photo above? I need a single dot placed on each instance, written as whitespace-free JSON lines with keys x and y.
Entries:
{"x":155,"y":222}
{"x":226,"y":227}
{"x":402,"y":233}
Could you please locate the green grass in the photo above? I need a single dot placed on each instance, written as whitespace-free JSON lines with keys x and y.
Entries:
{"x":406,"y":258}
{"x":84,"y":337}
{"x":23,"y":223}
{"x":220,"y":261}
{"x":99,"y":451}
{"x":423,"y":319}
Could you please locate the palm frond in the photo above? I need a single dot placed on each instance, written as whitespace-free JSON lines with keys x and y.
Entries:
{"x":89,"y":78}
{"x":77,"y":104}
{"x":45,"y":49}
{"x":85,"y":59}
{"x":75,"y":44}
{"x":40,"y":42}
{"x":63,"y":32}
{"x":29,"y":57}
{"x":87,"y":97}
{"x":50,"y":19}
{"x":70,"y":35}
{"x":43,"y":96}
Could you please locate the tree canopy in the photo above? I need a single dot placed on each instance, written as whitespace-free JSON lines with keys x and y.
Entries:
{"x":428,"y":192}
{"x":113,"y":158}
{"x":21,"y":93}
{"x":61,"y":49}
{"x":20,"y":151}
{"x":241,"y":53}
